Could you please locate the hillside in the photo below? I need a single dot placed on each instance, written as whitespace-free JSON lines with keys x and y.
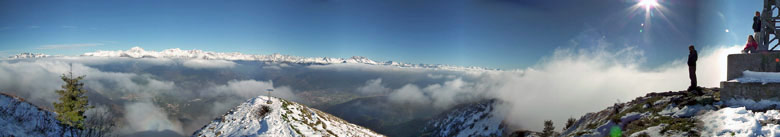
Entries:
{"x":474,"y":119}
{"x":280,"y":118}
{"x":21,"y":118}
{"x":681,"y":114}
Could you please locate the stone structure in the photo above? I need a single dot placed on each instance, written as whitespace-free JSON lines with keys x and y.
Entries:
{"x":755,"y":91}
{"x":760,"y":62}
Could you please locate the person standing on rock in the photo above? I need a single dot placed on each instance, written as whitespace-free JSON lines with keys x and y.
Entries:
{"x":692,"y":57}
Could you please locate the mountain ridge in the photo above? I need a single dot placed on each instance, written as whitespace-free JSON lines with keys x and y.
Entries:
{"x":264,"y":116}
{"x":138,"y":52}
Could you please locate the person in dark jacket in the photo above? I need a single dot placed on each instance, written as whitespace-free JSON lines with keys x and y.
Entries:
{"x":757,"y":22}
{"x":757,"y":26}
{"x":692,"y":57}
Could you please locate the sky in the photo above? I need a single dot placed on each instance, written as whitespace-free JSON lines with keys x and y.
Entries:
{"x":504,"y":34}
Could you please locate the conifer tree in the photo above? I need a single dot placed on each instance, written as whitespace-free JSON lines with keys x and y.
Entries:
{"x":548,"y":130}
{"x":72,"y":102}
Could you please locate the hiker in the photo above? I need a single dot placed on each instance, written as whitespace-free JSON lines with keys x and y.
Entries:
{"x":692,"y":57}
{"x":751,"y":46}
{"x":757,"y":26}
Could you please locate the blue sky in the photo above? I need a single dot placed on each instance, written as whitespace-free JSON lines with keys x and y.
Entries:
{"x":504,"y":34}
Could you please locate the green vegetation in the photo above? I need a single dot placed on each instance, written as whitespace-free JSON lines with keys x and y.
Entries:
{"x":72,"y":102}
{"x":672,"y":124}
{"x":296,"y":130}
{"x":592,"y":126}
{"x":639,"y":108}
{"x":549,"y":129}
{"x":581,"y":133}
{"x":569,"y":123}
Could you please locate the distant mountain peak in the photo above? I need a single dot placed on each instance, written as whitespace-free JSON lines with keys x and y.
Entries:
{"x":138,"y":52}
{"x":29,"y":55}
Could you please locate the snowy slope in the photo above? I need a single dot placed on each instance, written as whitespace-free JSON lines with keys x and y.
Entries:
{"x":20,"y":118}
{"x":137,"y":52}
{"x":737,"y":121}
{"x":682,"y":114}
{"x":671,"y":114}
{"x":285,"y":119}
{"x":468,"y":120}
{"x":759,"y":77}
{"x":29,"y":55}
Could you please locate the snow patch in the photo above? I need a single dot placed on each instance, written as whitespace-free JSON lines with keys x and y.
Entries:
{"x":739,"y":122}
{"x":759,"y":77}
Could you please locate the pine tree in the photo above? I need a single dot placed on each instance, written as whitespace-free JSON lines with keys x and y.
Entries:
{"x":72,"y":102}
{"x":548,"y":130}
{"x":569,"y":123}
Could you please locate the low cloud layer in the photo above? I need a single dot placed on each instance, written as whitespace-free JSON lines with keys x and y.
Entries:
{"x":148,"y":103}
{"x":208,"y":64}
{"x":145,"y":116}
{"x":373,"y":87}
{"x":567,"y":84}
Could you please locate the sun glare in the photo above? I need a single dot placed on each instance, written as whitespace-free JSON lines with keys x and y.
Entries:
{"x":648,"y":4}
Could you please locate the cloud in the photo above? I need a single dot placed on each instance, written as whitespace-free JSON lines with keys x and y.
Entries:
{"x":567,"y":84}
{"x":240,"y":90}
{"x":439,"y":76}
{"x":441,"y":96}
{"x":570,"y":82}
{"x":68,"y":27}
{"x":409,"y":94}
{"x":37,"y":80}
{"x":253,"y":88}
{"x":373,"y":87}
{"x":145,"y":116}
{"x":208,"y":64}
{"x":33,"y":27}
{"x":68,"y":46}
{"x":365,"y":67}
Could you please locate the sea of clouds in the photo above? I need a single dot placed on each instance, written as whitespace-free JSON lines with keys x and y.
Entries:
{"x":568,"y":83}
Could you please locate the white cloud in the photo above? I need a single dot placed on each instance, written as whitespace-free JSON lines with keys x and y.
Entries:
{"x":242,"y":90}
{"x":569,"y":83}
{"x":253,"y":88}
{"x":409,"y":94}
{"x":373,"y":87}
{"x":439,"y":76}
{"x":37,"y":80}
{"x":145,"y":116}
{"x":208,"y":64}
{"x":68,"y":46}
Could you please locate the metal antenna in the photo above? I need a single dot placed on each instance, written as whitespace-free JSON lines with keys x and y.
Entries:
{"x":768,"y":32}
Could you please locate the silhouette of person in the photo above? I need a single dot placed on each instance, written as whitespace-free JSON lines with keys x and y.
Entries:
{"x":692,"y":57}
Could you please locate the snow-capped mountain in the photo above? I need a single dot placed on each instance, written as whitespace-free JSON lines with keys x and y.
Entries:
{"x":467,"y":120}
{"x":137,"y":52}
{"x":29,"y":55}
{"x":264,"y":116}
{"x":20,"y":118}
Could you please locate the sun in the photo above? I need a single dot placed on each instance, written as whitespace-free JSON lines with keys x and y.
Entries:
{"x":648,"y":4}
